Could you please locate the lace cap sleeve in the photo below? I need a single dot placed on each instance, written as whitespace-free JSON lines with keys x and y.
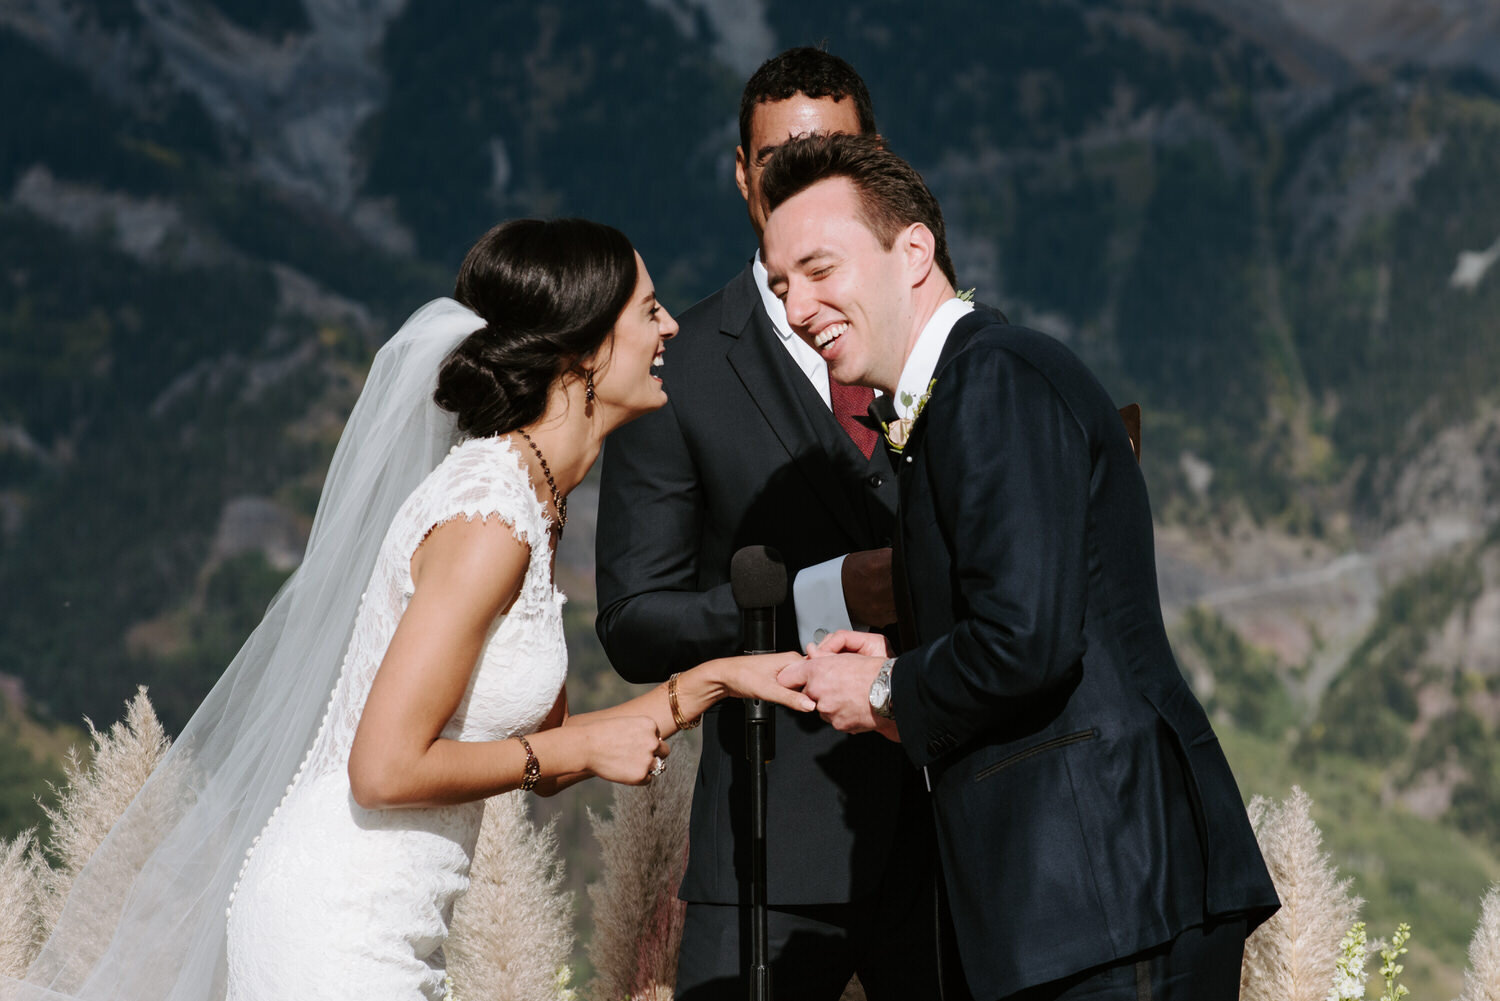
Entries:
{"x":479,"y":479}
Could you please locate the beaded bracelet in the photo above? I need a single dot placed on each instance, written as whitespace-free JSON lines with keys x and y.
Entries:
{"x":682,"y":724}
{"x":533,"y":770}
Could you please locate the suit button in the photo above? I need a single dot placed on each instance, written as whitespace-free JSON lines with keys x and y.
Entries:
{"x":874,"y":480}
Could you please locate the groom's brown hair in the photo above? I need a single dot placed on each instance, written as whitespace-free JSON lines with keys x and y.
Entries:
{"x":892,"y":195}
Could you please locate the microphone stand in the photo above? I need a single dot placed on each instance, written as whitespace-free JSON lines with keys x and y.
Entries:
{"x":758,"y":580}
{"x":760,"y":748}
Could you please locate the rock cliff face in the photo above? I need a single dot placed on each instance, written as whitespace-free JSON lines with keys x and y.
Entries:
{"x":1384,"y":34}
{"x":289,"y":98}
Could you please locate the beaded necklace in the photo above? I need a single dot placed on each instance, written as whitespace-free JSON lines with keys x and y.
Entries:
{"x":559,"y":502}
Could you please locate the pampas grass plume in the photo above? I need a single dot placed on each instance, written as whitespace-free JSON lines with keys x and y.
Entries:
{"x":21,"y":892}
{"x":1482,"y":978}
{"x":512,"y":931}
{"x":643,"y":852}
{"x":97,"y":793}
{"x":1292,"y":956}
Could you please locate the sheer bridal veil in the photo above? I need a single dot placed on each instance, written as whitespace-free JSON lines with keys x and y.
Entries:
{"x":145,"y":919}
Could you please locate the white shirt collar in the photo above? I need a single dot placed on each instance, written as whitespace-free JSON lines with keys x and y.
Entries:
{"x":775,"y":308}
{"x":808,"y":360}
{"x":916,"y":375}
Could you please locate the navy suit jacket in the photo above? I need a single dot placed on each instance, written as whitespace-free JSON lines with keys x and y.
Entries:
{"x":746,"y":453}
{"x":1085,"y":811}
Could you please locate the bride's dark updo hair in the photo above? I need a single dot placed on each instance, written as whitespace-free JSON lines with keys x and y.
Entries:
{"x":549,"y":293}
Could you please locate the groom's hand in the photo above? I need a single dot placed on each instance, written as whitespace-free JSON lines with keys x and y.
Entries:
{"x":868,"y":592}
{"x":850,"y":641}
{"x":840,"y":685}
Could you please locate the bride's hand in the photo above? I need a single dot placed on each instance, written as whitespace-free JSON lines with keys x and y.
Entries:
{"x":753,"y":676}
{"x":622,"y":749}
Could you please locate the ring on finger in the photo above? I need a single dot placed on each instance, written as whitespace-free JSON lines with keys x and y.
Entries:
{"x":659,"y":765}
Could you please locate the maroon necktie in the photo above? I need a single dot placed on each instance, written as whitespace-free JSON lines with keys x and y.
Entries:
{"x":849,"y":403}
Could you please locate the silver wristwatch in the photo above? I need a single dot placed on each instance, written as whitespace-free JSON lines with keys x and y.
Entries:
{"x":880,"y":691}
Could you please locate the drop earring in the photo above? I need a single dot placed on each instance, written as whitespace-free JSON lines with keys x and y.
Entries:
{"x":588,"y":392}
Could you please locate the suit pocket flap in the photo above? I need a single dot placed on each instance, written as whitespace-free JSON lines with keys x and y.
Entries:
{"x":1035,"y":749}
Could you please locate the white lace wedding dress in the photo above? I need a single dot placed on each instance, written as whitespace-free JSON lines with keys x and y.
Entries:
{"x":335,"y":901}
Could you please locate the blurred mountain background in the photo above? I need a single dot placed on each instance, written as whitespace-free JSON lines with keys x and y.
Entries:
{"x":1273,"y":223}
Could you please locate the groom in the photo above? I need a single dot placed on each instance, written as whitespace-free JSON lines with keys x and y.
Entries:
{"x":1091,"y":835}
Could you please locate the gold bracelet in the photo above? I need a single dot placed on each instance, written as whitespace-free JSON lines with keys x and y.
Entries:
{"x":682,"y":724}
{"x":533,"y":769}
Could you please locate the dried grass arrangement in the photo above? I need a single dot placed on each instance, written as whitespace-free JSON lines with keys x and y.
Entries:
{"x":34,"y":883}
{"x":637,"y":916}
{"x":513,"y":932}
{"x":1482,"y":978}
{"x":1292,"y":957}
{"x":21,"y":882}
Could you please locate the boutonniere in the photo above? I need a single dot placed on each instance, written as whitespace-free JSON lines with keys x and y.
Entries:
{"x":899,"y":430}
{"x":965,"y":296}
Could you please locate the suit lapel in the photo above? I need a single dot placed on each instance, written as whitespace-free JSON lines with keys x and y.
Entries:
{"x":960,"y":335}
{"x":796,"y":414}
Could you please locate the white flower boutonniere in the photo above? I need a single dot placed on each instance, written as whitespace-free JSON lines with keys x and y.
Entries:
{"x":899,"y":430}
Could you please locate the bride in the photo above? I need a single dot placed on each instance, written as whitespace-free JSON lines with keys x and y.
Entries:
{"x":310,"y":829}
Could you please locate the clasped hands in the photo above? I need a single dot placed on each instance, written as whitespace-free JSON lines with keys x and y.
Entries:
{"x":837,"y":674}
{"x":834,"y":679}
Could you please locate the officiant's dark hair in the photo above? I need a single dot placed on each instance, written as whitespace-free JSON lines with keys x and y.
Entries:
{"x":892,"y":195}
{"x":808,"y":71}
{"x":549,"y":293}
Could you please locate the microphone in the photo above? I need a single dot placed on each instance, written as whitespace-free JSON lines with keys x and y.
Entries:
{"x":757,"y":577}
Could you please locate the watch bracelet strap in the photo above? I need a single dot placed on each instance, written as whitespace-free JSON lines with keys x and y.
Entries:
{"x":884,"y":674}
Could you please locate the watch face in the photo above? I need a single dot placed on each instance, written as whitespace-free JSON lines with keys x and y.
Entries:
{"x":880,"y":694}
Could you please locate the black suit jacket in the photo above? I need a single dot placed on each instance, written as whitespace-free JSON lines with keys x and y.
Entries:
{"x":1085,"y":811}
{"x":745,"y":453}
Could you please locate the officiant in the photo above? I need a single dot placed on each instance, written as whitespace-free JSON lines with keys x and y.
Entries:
{"x":758,"y":446}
